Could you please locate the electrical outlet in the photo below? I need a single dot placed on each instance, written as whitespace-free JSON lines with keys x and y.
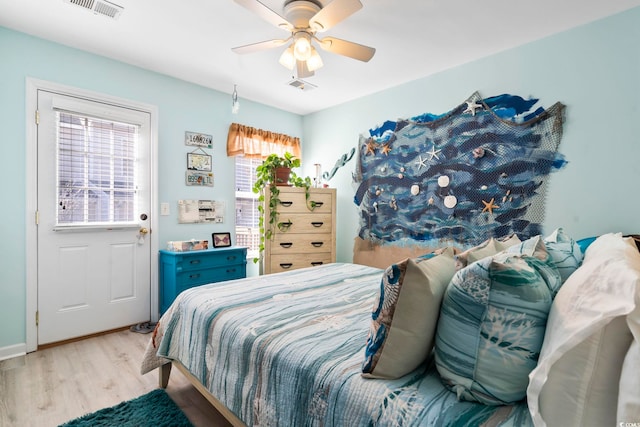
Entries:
{"x":164,"y":209}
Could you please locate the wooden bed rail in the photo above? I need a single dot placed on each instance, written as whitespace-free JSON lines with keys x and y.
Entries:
{"x":164,"y":372}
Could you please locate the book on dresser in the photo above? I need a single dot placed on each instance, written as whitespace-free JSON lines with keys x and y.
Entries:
{"x":305,"y":232}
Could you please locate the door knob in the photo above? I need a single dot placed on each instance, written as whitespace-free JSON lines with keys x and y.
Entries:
{"x":143,"y":231}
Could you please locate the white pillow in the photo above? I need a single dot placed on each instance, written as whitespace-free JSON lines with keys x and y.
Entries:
{"x":507,"y":242}
{"x":577,"y":377}
{"x":487,"y":248}
{"x":629,"y":395}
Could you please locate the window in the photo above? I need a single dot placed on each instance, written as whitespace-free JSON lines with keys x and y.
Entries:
{"x":249,"y":146}
{"x":247,"y":231}
{"x":96,"y":170}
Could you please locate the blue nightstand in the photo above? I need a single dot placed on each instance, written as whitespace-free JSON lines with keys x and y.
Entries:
{"x":183,"y":270}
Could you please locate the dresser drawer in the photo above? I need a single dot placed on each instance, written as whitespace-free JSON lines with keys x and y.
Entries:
{"x":189,"y":279}
{"x":296,"y":202}
{"x":183,"y":270}
{"x":301,"y":223}
{"x":287,"y":243}
{"x":280,"y":262}
{"x":203,"y":259}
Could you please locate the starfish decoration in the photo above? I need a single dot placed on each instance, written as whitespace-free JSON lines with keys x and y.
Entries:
{"x":385,"y":149}
{"x":433,"y":153}
{"x":421,"y":162}
{"x":371,"y":147}
{"x":490,"y":206}
{"x":471,"y":107}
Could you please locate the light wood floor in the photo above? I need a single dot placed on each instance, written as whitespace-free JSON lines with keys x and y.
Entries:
{"x":55,"y":385}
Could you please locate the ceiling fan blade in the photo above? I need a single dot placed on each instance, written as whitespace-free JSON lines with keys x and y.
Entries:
{"x":265,"y":13}
{"x":256,"y":47}
{"x":302,"y":70}
{"x":346,"y":48}
{"x":333,"y":13}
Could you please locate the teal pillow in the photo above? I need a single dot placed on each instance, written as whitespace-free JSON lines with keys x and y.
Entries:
{"x":491,"y":326}
{"x":565,"y":253}
{"x":585,"y":243}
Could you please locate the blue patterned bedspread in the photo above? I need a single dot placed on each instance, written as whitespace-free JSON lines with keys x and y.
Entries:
{"x":286,"y":350}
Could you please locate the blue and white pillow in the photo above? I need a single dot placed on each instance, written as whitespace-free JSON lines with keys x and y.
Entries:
{"x":492,"y":324}
{"x":565,"y":253}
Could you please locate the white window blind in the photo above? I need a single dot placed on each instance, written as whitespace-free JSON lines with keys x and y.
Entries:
{"x":247,"y":231}
{"x":96,"y":170}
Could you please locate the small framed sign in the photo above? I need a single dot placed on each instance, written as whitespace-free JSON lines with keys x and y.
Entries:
{"x":199,"y":162}
{"x":198,"y":139}
{"x":221,"y":240}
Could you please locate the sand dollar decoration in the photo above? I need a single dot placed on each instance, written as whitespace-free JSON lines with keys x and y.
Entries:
{"x":450,"y":201}
{"x":443,"y":181}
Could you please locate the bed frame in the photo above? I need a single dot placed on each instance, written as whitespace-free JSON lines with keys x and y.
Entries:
{"x":164,"y":372}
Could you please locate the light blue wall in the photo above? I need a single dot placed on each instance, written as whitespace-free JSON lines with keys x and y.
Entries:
{"x":181,"y":106}
{"x":594,"y":70}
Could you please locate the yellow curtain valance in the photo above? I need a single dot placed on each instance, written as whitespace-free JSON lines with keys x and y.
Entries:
{"x":252,"y":142}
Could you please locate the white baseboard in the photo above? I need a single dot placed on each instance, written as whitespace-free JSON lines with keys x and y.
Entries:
{"x":12,"y":351}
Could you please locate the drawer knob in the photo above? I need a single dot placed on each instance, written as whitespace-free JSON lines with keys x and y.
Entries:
{"x":286,"y":245}
{"x":195,"y":261}
{"x":316,"y":204}
{"x":231,"y":270}
{"x":194,"y":276}
{"x":317,"y":223}
{"x":231,"y":258}
{"x":315,"y":263}
{"x":286,"y":203}
{"x":284,"y":226}
{"x":285,"y":265}
{"x":317,"y":244}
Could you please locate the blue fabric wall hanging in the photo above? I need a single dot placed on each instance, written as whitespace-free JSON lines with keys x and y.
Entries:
{"x":476,"y":172}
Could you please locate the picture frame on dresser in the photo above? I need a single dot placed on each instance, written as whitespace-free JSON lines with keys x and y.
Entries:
{"x":221,"y":240}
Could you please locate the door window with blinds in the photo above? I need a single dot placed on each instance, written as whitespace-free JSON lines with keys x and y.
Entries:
{"x":96,"y":170}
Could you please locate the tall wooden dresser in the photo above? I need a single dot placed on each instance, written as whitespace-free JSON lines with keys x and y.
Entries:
{"x":304,"y":236}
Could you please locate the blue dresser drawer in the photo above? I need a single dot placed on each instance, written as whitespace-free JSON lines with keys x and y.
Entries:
{"x":188,"y":279}
{"x":199,"y":260}
{"x":179,"y":271}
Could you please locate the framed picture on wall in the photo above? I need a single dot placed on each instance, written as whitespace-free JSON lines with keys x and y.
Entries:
{"x":199,"y":162}
{"x":221,"y":240}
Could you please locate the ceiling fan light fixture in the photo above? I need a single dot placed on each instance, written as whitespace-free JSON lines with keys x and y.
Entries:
{"x":315,"y":60}
{"x":287,"y":59}
{"x":302,"y":46}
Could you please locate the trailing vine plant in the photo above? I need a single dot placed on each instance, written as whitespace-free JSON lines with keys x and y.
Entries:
{"x":266,"y":181}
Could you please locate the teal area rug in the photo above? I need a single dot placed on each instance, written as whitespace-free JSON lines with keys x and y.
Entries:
{"x":154,"y":409}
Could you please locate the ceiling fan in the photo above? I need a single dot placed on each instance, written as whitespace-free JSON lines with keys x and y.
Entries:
{"x":303,"y":19}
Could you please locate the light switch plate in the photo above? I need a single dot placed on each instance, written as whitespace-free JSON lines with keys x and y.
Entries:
{"x":164,"y":209}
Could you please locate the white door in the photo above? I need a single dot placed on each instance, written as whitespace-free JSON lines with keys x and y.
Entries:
{"x":93,"y":214}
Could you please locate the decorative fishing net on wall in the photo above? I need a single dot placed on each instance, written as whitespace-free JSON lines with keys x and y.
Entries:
{"x":476,"y":172}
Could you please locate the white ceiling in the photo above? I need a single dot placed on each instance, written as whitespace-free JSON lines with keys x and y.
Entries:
{"x":192,"y":40}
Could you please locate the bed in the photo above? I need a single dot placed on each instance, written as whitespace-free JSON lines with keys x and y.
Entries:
{"x":287,"y":349}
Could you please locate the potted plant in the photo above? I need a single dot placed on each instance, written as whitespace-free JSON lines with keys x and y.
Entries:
{"x":270,"y":176}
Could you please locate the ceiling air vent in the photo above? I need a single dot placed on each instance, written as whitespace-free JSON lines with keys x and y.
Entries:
{"x":301,"y":84}
{"x":99,"y":7}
